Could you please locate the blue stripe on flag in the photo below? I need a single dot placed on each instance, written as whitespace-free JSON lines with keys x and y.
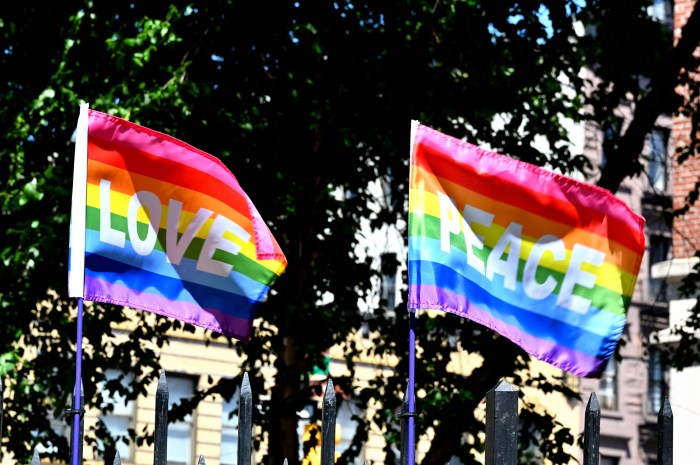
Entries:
{"x":171,"y":288}
{"x":157,"y":262}
{"x":596,"y":321}
{"x":539,"y":325}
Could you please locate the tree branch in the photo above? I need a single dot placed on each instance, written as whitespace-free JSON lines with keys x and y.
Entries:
{"x":663,"y":84}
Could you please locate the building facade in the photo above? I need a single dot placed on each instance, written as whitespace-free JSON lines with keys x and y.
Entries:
{"x":633,"y":388}
{"x":686,"y":242}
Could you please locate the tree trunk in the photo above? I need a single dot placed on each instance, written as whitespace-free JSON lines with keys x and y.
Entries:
{"x":283,"y":439}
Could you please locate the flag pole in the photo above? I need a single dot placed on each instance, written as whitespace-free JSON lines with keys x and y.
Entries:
{"x":76,"y":269}
{"x":77,"y":403}
{"x":411,"y":436}
{"x":411,"y":384}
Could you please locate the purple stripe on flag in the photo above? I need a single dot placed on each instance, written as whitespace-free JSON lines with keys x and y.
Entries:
{"x":212,"y":319}
{"x":570,"y":360}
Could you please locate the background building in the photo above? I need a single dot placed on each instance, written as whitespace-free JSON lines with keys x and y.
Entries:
{"x":686,"y":242}
{"x":632,"y":390}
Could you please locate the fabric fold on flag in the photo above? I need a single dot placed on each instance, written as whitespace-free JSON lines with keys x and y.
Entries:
{"x":542,"y":259}
{"x":167,"y":229}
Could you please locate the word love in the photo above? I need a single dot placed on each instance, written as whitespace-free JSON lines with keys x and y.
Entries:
{"x":217,"y":237}
{"x":505,"y":256}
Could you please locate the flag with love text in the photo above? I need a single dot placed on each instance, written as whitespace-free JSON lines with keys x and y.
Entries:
{"x":542,"y":259}
{"x":161,"y":226}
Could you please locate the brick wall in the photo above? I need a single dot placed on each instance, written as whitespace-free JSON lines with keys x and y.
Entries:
{"x":686,"y":235}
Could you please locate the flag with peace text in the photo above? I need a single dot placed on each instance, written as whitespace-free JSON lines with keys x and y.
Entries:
{"x":161,"y":226}
{"x":542,"y":259}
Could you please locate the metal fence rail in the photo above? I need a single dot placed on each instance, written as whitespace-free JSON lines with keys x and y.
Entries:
{"x":501,"y":427}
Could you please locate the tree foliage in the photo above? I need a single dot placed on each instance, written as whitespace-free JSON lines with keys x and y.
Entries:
{"x":302,"y":100}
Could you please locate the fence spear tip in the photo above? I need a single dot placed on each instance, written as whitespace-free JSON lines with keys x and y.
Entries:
{"x":504,"y":386}
{"x":35,"y":457}
{"x":330,"y":390}
{"x":245,"y":386}
{"x":666,"y":411}
{"x":593,"y":404}
{"x":162,"y":383}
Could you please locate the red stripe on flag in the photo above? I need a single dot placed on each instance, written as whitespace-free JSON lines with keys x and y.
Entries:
{"x":526,"y":198}
{"x":140,"y":162}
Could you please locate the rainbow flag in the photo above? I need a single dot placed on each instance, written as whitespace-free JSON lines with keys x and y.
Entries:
{"x":542,"y":259}
{"x":161,"y":226}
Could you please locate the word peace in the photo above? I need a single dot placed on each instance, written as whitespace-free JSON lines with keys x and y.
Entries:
{"x":506,"y":265}
{"x":174,"y":248}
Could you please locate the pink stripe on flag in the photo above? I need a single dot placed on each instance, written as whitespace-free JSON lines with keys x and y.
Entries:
{"x":521,"y":174}
{"x":119,"y":131}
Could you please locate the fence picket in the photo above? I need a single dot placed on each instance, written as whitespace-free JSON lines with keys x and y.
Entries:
{"x":502,"y":425}
{"x":665,"y":434}
{"x":591,"y":432}
{"x":35,"y":457}
{"x":245,"y":422}
{"x":160,"y":448}
{"x":328,"y":425}
{"x":78,"y":406}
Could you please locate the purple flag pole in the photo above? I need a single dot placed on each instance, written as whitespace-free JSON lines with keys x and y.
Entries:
{"x":76,"y":458}
{"x":411,"y":384}
{"x":76,"y":273}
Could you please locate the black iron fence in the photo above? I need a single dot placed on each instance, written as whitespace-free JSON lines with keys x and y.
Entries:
{"x":501,"y":427}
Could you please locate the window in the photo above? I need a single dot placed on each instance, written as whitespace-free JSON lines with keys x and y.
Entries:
{"x":608,"y":387}
{"x":610,"y":131}
{"x":180,"y":433}
{"x":61,"y":429}
{"x":607,"y":460}
{"x":121,"y":419}
{"x":229,"y":431}
{"x":659,"y":247}
{"x":309,"y":429}
{"x":656,"y":386}
{"x":389,"y":264}
{"x":345,"y":425}
{"x":657,"y":171}
{"x":662,"y":11}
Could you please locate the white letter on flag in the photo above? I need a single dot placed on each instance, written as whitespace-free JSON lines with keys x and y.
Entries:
{"x":108,"y":235}
{"x":216,"y":240}
{"x":176,"y":249}
{"x":575,"y":275}
{"x":150,"y":202}
{"x":449,"y":221}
